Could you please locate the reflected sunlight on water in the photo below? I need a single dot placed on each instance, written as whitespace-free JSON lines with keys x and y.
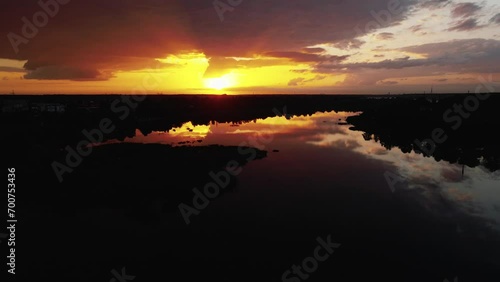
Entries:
{"x":475,"y":192}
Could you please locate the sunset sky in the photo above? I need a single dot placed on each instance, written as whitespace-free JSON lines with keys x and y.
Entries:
{"x":247,"y":46}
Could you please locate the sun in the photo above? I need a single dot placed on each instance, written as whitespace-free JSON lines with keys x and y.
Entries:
{"x":220,"y":83}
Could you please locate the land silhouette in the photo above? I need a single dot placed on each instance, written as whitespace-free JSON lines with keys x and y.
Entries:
{"x":121,"y":202}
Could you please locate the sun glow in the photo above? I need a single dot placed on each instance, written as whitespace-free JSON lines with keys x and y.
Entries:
{"x":220,"y":83}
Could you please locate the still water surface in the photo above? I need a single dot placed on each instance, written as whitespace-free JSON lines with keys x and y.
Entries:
{"x":306,"y":146}
{"x":440,"y":220}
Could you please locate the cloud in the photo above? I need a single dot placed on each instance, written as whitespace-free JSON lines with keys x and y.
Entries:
{"x":379,"y":151}
{"x":465,"y":25}
{"x":296,"y":81}
{"x":11,"y":69}
{"x":349,"y":44}
{"x":456,"y":56}
{"x":345,"y":144}
{"x":385,"y":36}
{"x":435,"y":4}
{"x":416,"y":28}
{"x":99,"y":37}
{"x":300,"y":80}
{"x":300,"y":71}
{"x":219,"y":66}
{"x":313,"y":50}
{"x":496,"y":19}
{"x":465,"y":9}
{"x":452,"y":174}
{"x":306,"y":57}
{"x":388,"y":82}
{"x":317,"y":77}
{"x":399,"y":63}
{"x":65,"y":73}
{"x":460,"y":48}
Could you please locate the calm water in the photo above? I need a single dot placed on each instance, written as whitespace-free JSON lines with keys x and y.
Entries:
{"x":439,"y":221}
{"x":309,"y":152}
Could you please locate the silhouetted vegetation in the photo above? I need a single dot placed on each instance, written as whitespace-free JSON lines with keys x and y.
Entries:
{"x":399,"y":123}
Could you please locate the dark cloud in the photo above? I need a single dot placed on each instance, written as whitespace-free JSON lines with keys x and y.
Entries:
{"x":465,"y":9}
{"x":473,"y":48}
{"x":465,"y":25}
{"x":65,"y":73}
{"x":399,"y":63}
{"x":313,"y":50}
{"x":306,"y":57}
{"x":219,"y":66}
{"x":349,"y":44}
{"x":462,"y":56}
{"x":108,"y":36}
{"x":11,"y":69}
{"x":496,"y":19}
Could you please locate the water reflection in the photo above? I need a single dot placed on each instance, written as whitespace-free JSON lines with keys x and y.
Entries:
{"x":471,"y":190}
{"x":233,"y":133}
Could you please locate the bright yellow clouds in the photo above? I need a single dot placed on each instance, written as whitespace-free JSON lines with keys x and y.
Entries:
{"x":182,"y":74}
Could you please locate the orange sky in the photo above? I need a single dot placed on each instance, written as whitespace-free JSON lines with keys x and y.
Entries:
{"x":286,"y":46}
